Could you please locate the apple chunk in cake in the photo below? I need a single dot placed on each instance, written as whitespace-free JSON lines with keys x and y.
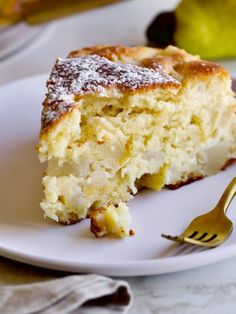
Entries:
{"x":116,"y":119}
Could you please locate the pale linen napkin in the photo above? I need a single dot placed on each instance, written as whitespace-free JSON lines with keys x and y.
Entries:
{"x":83,"y":294}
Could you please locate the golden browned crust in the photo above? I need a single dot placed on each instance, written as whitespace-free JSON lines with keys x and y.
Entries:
{"x":115,"y":53}
{"x":200,"y":69}
{"x":167,"y":60}
{"x":228,"y":163}
{"x":153,"y":58}
{"x":179,"y":184}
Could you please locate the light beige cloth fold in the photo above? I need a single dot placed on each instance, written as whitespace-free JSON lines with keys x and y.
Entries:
{"x":83,"y":294}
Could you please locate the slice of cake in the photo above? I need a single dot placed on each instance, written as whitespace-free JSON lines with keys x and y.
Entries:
{"x":117,"y":119}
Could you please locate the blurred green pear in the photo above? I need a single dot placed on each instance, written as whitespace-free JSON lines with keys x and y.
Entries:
{"x":207,"y":27}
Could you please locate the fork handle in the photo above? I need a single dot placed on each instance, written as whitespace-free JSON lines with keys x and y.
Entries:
{"x":227,"y":196}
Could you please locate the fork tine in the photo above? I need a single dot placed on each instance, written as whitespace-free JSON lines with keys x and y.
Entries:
{"x":201,"y":243}
{"x":209,"y":244}
{"x":211,"y":238}
{"x":172,"y":238}
{"x":168,"y":236}
{"x":193,"y":234}
{"x":203,"y":236}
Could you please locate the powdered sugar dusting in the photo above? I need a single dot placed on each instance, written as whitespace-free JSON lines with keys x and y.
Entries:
{"x":94,"y":74}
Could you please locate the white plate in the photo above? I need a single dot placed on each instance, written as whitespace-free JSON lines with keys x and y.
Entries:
{"x":26,"y":236}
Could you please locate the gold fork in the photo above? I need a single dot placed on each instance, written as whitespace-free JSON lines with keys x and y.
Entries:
{"x":210,"y":229}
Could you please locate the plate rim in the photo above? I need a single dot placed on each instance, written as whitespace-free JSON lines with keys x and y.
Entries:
{"x":128,"y":268}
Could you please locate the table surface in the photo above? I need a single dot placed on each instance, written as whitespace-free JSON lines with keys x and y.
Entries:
{"x":210,"y":289}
